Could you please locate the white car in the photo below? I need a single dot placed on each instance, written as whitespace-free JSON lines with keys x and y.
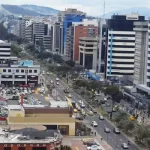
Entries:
{"x":47,"y":73}
{"x":94,"y":147}
{"x":101,"y":117}
{"x":57,"y":79}
{"x":105,"y":99}
{"x":82,"y":105}
{"x":94,"y":124}
{"x":69,"y":96}
{"x":124,"y":146}
{"x":52,"y":81}
{"x":80,"y":101}
{"x":57,"y":83}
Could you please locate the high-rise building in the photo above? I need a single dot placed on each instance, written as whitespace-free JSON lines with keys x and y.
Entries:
{"x":57,"y":37}
{"x":68,"y":17}
{"x":141,"y":52}
{"x":121,"y":45}
{"x":47,"y":42}
{"x":86,"y":28}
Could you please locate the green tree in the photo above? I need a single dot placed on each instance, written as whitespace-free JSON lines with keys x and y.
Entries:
{"x":15,"y":50}
{"x":70,"y":63}
{"x":121,"y":116}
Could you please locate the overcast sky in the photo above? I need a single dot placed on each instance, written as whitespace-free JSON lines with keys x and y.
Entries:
{"x":92,"y":7}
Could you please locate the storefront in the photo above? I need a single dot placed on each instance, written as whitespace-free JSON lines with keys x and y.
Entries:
{"x":64,"y":129}
{"x":32,"y":80}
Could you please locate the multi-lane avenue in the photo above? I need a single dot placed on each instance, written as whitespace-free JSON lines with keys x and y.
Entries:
{"x":114,"y":140}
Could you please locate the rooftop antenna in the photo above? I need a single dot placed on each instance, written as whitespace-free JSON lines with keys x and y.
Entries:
{"x":104,"y":10}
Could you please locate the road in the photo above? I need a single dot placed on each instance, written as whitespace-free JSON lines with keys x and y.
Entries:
{"x":113,"y":139}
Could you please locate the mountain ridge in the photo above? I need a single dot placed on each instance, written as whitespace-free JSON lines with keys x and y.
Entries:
{"x":27,"y":10}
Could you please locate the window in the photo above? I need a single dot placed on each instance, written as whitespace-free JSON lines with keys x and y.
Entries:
{"x":4,"y":70}
{"x":35,"y":71}
{"x":9,"y":70}
{"x":22,"y":71}
{"x":30,"y":71}
{"x":17,"y":70}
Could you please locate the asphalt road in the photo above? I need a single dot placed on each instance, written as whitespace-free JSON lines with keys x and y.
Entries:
{"x":113,"y":139}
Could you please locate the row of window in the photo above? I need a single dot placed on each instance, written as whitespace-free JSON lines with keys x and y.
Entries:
{"x":22,"y":71}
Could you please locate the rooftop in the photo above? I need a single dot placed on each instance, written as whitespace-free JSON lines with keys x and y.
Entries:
{"x":15,"y":107}
{"x":28,"y":135}
{"x":2,"y":41}
{"x":61,"y":104}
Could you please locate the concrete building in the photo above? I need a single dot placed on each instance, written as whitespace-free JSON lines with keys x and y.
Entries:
{"x":29,"y":139}
{"x":57,"y":38}
{"x":67,"y":17}
{"x":121,"y":45}
{"x":20,"y":73}
{"x":88,"y":52}
{"x":47,"y":42}
{"x":5,"y":50}
{"x":56,"y":116}
{"x":141,"y":52}
{"x":29,"y":33}
{"x":86,"y":28}
{"x":39,"y":30}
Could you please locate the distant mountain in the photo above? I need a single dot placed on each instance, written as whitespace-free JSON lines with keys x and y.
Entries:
{"x":143,"y":11}
{"x":41,"y":9}
{"x":27,"y":10}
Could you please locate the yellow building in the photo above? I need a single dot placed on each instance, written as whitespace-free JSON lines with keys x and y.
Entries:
{"x":57,"y":116}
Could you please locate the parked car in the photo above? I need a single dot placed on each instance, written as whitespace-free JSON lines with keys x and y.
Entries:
{"x":66,"y":90}
{"x":69,"y":95}
{"x":82,"y":105}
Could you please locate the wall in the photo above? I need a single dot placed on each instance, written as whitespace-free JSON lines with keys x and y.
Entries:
{"x":14,"y":113}
{"x":45,"y":121}
{"x":47,"y":115}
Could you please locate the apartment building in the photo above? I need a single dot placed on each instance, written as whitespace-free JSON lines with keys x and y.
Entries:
{"x":121,"y":45}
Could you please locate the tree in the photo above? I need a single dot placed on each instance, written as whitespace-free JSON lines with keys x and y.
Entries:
{"x":81,"y":83}
{"x":70,"y":63}
{"x":121,"y":116}
{"x":58,"y":59}
{"x":15,"y":50}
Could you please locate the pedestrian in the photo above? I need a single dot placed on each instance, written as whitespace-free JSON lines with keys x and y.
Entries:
{"x":101,"y":138}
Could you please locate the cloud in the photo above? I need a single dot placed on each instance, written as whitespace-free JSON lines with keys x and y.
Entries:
{"x":91,"y":7}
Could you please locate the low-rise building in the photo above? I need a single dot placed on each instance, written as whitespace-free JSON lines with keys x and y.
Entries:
{"x":56,"y":116}
{"x":29,"y":139}
{"x":24,"y":72}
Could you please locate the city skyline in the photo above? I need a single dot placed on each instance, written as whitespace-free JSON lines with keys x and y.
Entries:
{"x":94,"y":9}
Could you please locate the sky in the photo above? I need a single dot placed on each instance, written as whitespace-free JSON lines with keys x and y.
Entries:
{"x":91,"y":7}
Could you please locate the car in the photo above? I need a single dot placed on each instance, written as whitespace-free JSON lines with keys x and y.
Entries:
{"x":90,"y":113}
{"x":116,"y":130}
{"x":101,"y":117}
{"x":107,"y":130}
{"x":52,"y":81}
{"x":57,"y":79}
{"x":33,"y":91}
{"x":94,"y":147}
{"x":69,"y":95}
{"x":80,"y":101}
{"x":57,"y":83}
{"x":82,"y":105}
{"x":124,"y":146}
{"x":94,"y":111}
{"x":80,"y":118}
{"x":90,"y":143}
{"x":47,"y":73}
{"x":94,"y":124}
{"x":105,"y":99}
{"x":66,"y":90}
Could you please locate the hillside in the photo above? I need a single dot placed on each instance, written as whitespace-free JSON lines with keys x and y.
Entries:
{"x":41,"y":9}
{"x":27,"y":10}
